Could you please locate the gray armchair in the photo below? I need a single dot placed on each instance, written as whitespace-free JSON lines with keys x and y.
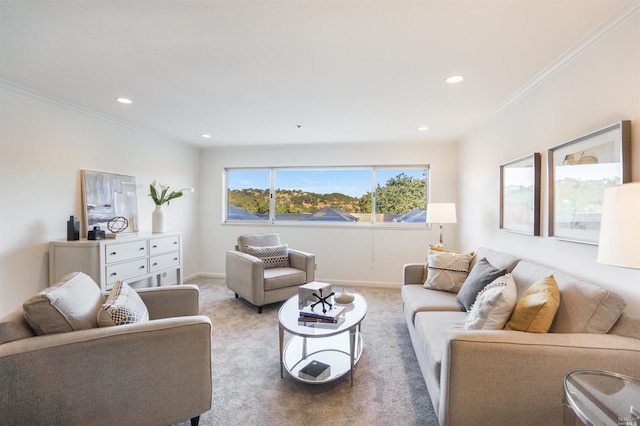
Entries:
{"x":262,"y":270}
{"x":150,"y":373}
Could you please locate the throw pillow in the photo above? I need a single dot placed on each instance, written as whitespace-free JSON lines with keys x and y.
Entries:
{"x":123,"y":306}
{"x":482,"y":274}
{"x":447,"y":270}
{"x":425,"y":270}
{"x":537,"y":307}
{"x":493,"y":306}
{"x":70,"y":305}
{"x":272,"y":256}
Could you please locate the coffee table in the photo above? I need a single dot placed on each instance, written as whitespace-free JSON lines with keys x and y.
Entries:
{"x":598,"y":397}
{"x":338,"y":345}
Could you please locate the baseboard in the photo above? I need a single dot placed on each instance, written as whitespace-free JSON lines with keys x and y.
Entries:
{"x":335,"y":282}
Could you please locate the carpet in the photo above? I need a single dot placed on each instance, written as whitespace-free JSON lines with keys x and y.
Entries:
{"x":248,"y":390}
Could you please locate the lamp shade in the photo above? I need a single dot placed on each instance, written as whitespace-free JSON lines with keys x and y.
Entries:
{"x":620,"y":226}
{"x":441,"y":213}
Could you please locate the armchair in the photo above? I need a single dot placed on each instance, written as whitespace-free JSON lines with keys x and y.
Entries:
{"x":261,"y":270}
{"x":148,"y":373}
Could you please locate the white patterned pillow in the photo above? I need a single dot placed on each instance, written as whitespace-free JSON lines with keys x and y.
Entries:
{"x":272,"y":256}
{"x":493,"y":305}
{"x":123,"y":306}
{"x":447,"y":270}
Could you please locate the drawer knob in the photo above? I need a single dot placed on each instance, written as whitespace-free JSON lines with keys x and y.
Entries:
{"x":142,"y":267}
{"x":113,"y":253}
{"x":155,"y":264}
{"x":175,"y":258}
{"x":175,"y":243}
{"x":113,"y":274}
{"x":154,"y":246}
{"x":141,"y":248}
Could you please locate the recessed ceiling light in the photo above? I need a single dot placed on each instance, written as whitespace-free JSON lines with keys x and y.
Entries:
{"x":205,"y":135}
{"x":454,"y":79}
{"x":124,"y":100}
{"x":423,"y":128}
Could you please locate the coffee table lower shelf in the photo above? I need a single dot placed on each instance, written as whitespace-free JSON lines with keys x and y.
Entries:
{"x":332,"y":350}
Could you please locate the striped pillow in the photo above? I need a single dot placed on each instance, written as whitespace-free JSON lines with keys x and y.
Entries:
{"x":447,"y":270}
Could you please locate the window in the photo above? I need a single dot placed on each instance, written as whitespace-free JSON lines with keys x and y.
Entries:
{"x":339,"y":195}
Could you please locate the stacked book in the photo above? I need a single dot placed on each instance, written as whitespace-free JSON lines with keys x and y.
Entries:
{"x":317,"y":314}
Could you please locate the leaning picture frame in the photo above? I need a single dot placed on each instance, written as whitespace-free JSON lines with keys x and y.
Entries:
{"x":520,"y":195}
{"x":106,"y":196}
{"x":579,"y":172}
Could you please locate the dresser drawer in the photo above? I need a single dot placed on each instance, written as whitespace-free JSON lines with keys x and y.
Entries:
{"x":117,"y":252}
{"x":164,"y":261}
{"x":126,"y":270}
{"x":163,"y":244}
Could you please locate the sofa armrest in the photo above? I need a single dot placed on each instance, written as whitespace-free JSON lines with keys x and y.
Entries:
{"x":524,"y":370}
{"x":303,"y":261}
{"x":157,"y":372}
{"x":244,"y":274}
{"x":171,"y":301}
{"x":412,"y":273}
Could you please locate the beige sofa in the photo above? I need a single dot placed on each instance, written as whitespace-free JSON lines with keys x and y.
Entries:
{"x":503,"y":377}
{"x":149,"y":373}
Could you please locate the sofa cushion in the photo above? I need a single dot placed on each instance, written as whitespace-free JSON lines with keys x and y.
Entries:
{"x":415,"y":299}
{"x":482,"y":274}
{"x":430,"y":328}
{"x":497,"y":258}
{"x":585,"y":307}
{"x":70,"y":305}
{"x":14,"y":326}
{"x":536,"y":309}
{"x":123,"y":306}
{"x":447,"y":270}
{"x":493,"y":306}
{"x":272,"y":256}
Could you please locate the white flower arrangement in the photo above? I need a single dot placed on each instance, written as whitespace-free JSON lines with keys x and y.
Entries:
{"x":161,"y":195}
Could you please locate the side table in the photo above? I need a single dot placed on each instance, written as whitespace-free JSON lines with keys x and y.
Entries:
{"x":594,"y":397}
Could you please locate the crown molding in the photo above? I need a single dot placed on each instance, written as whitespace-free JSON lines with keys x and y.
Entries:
{"x":610,"y":24}
{"x":35,"y":94}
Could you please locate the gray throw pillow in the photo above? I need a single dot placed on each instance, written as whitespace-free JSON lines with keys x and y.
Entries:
{"x":483,"y":273}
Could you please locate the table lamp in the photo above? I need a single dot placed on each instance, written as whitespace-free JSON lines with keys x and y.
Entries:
{"x":441,"y":213}
{"x":620,"y":226}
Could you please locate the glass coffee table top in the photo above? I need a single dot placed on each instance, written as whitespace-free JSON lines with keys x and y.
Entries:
{"x":603,"y":398}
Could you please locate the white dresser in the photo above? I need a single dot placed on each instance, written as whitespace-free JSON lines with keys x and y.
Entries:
{"x":106,"y":261}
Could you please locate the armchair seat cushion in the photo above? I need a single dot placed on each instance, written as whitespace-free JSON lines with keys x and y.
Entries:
{"x":283,"y":277}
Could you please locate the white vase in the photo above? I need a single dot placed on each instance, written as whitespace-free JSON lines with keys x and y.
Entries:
{"x":158,"y":220}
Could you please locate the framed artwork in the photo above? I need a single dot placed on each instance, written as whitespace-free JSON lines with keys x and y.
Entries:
{"x":108,"y":195}
{"x":579,"y":172}
{"x":520,"y":195}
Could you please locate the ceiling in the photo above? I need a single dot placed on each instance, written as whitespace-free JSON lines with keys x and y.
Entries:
{"x":263,"y":72}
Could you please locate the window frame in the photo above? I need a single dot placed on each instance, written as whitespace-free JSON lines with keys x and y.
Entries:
{"x":271,"y":221}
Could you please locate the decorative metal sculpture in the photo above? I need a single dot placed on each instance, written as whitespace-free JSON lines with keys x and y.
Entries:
{"x":322,"y":300}
{"x":118,"y":224}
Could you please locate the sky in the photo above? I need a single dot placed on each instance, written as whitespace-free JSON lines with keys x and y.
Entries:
{"x":352,"y":182}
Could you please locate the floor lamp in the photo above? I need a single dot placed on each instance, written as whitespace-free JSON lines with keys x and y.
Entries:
{"x":441,"y":213}
{"x":620,"y":226}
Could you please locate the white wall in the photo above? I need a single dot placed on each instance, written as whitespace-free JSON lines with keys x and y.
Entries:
{"x":43,"y":147}
{"x":597,"y":88}
{"x":344,"y":255}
